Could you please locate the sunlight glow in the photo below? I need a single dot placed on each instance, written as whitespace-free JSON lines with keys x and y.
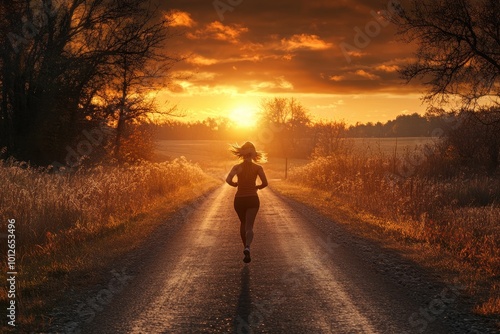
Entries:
{"x":243,"y":116}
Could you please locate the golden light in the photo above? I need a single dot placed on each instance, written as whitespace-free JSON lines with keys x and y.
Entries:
{"x":244,"y":116}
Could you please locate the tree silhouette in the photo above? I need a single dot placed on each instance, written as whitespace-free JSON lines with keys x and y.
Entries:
{"x":458,"y":49}
{"x":458,"y":59}
{"x":138,"y":70}
{"x":57,"y":62}
{"x":289,"y":120}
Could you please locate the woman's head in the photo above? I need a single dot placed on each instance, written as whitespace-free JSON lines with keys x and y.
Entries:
{"x":247,"y":151}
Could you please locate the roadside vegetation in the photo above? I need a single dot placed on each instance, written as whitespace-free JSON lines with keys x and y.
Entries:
{"x":80,"y":221}
{"x":431,"y":198}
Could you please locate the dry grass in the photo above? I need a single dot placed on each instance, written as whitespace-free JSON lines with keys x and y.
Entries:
{"x":88,"y":201}
{"x":76,"y":223}
{"x":457,"y":216}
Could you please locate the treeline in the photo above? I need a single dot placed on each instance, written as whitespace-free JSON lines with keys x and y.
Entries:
{"x":413,"y":125}
{"x":221,"y":128}
{"x":467,"y":138}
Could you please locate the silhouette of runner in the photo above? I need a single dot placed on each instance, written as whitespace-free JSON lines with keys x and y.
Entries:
{"x":246,"y":200}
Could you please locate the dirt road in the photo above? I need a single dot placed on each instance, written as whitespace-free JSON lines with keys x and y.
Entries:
{"x":307,"y":275}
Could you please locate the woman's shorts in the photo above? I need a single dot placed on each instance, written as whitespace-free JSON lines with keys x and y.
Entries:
{"x":242,"y":204}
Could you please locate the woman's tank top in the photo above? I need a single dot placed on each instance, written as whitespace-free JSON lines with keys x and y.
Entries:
{"x":246,"y":179}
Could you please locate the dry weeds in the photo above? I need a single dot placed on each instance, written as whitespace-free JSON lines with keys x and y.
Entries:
{"x":458,"y":215}
{"x":70,"y":223}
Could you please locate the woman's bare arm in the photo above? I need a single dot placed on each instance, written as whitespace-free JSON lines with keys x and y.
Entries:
{"x":230,"y":176}
{"x":263,"y":178}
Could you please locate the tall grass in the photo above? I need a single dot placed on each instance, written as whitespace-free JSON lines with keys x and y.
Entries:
{"x":454,"y":211}
{"x":46,"y":204}
{"x":69,"y":223}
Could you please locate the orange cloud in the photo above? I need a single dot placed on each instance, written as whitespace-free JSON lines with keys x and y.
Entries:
{"x":179,"y":18}
{"x":279,"y":83}
{"x":356,"y":54}
{"x":252,"y":47}
{"x":336,"y":78}
{"x":334,"y":105}
{"x":185,"y":88}
{"x":365,"y":74}
{"x":218,"y":31}
{"x":193,"y":76}
{"x":201,"y":61}
{"x":388,"y":68}
{"x":304,"y":41}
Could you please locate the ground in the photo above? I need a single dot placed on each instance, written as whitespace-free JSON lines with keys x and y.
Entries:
{"x":308,"y":275}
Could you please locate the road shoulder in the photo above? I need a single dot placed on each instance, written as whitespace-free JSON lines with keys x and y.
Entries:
{"x":402,"y":261}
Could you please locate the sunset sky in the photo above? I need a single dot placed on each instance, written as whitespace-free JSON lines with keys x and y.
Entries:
{"x":311,"y":50}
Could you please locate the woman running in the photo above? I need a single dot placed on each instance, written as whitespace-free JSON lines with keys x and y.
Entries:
{"x":246,"y":200}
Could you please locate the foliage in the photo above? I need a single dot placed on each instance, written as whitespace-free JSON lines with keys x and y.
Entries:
{"x":87,"y":201}
{"x":413,"y":125}
{"x":474,"y":140}
{"x":219,"y":128}
{"x":330,"y":139}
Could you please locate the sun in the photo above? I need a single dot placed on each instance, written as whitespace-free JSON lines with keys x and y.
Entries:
{"x":244,"y":116}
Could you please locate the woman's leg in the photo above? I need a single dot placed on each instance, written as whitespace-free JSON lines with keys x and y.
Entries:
{"x":249,"y":220}
{"x":250,"y":215}
{"x":240,"y":209}
{"x":246,"y":208}
{"x":243,"y":233}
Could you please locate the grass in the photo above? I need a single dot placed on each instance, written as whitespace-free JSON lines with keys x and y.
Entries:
{"x":389,"y":145}
{"x":73,"y":224}
{"x":452,"y":220}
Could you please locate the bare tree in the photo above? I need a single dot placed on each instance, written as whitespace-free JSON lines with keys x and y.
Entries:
{"x":458,"y":59}
{"x":298,"y":121}
{"x":289,"y":120}
{"x":137,"y":72}
{"x":330,"y":139}
{"x":274,"y":112}
{"x":60,"y":56}
{"x":458,"y":52}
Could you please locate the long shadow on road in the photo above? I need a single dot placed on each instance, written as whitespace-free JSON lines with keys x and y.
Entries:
{"x":244,"y":308}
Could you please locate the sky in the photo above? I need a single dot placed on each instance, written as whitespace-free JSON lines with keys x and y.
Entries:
{"x":340,"y":59}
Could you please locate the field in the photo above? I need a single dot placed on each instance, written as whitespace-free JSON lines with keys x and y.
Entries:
{"x":417,"y":199}
{"x":214,"y":156}
{"x":390,"y":146}
{"x":450,"y":224}
{"x":208,"y":151}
